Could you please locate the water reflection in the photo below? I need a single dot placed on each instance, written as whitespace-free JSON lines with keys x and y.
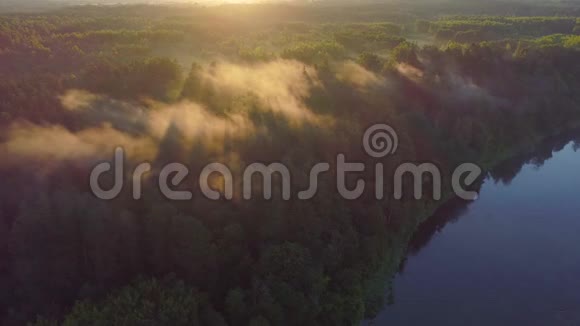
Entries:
{"x":507,"y":259}
{"x":508,"y":170}
{"x":503,"y":173}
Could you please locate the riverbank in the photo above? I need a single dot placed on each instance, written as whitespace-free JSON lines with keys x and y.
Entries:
{"x":384,"y":276}
{"x":468,"y":262}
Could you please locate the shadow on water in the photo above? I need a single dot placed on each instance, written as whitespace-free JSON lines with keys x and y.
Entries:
{"x":504,"y":173}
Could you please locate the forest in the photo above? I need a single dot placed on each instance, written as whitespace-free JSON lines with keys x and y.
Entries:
{"x":242,"y":83}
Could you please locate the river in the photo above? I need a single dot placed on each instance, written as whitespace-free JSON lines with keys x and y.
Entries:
{"x":510,"y":258}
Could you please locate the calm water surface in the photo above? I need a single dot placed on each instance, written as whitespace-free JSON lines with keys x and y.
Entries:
{"x":510,"y":258}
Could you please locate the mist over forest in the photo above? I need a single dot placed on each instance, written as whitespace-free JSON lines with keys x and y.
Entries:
{"x":292,"y":83}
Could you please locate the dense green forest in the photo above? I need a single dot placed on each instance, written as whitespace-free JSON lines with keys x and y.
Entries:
{"x":240,"y":84}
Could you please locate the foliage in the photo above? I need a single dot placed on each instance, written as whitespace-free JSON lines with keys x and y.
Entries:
{"x":147,"y":302}
{"x":326,"y":261}
{"x":370,"y":61}
{"x":484,"y":28}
